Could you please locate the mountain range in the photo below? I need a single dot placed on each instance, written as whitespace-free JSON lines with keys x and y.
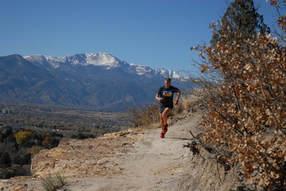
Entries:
{"x":98,"y":81}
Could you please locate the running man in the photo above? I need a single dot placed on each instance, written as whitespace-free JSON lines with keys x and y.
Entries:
{"x":165,"y":96}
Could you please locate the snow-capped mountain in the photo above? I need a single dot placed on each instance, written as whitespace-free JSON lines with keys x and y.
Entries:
{"x":96,"y":59}
{"x":108,"y":61}
{"x":92,"y":80}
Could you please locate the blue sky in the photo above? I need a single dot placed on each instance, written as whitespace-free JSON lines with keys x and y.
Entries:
{"x":157,"y":33}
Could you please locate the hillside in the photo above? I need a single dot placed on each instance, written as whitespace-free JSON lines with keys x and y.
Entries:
{"x":134,"y":159}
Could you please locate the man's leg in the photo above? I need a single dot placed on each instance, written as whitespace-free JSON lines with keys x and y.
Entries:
{"x":165,"y":122}
{"x":162,"y":134}
{"x":161,"y":120}
{"x":165,"y":114}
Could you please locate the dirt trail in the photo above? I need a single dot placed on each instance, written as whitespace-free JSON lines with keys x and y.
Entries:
{"x":131,"y":160}
{"x":153,"y":163}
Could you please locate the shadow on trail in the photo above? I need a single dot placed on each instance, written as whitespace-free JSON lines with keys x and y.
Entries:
{"x":179,"y":138}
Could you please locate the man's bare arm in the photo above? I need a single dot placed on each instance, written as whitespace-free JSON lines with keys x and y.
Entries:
{"x":158,"y":98}
{"x":178,"y":97}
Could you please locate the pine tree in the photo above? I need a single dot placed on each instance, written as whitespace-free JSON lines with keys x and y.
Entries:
{"x":240,"y":19}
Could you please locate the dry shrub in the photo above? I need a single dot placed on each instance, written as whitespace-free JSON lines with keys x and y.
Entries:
{"x":187,"y":105}
{"x":150,"y":114}
{"x":180,"y":108}
{"x":145,"y":115}
{"x":247,"y":110}
{"x":195,"y":100}
{"x":53,"y":183}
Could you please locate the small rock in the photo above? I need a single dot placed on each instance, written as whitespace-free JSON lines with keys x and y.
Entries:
{"x":123,"y":144}
{"x":102,"y":161}
{"x":123,"y":133}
